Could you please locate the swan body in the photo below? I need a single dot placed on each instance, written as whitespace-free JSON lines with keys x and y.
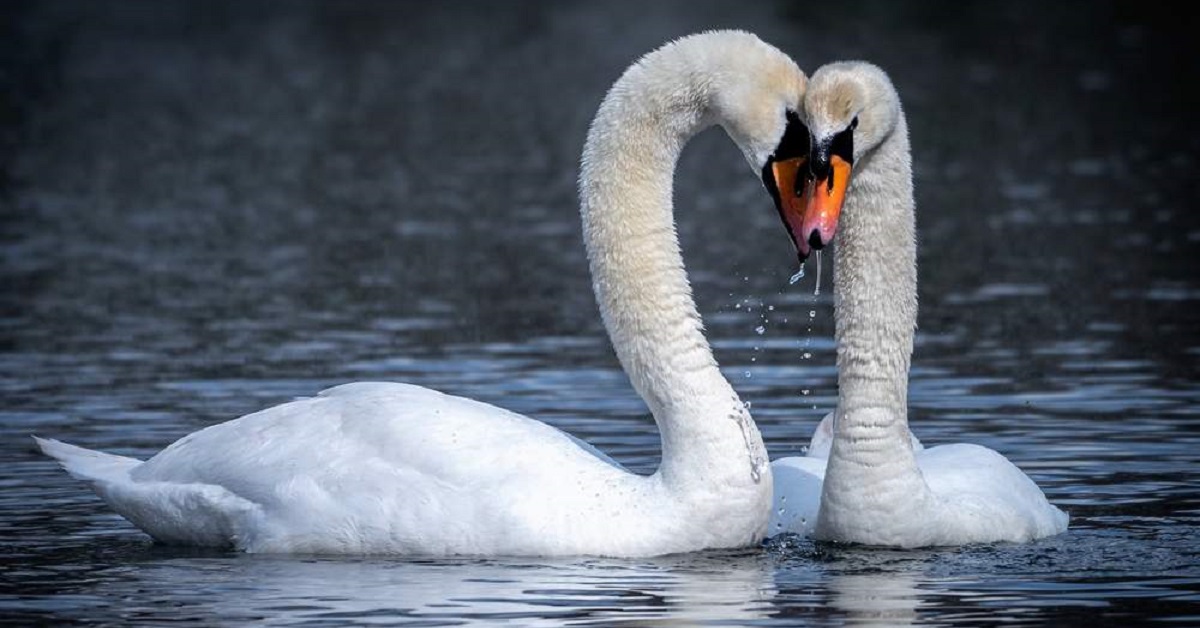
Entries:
{"x":866,"y":479}
{"x":394,"y":468}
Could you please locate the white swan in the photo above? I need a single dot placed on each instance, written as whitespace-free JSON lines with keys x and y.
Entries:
{"x":866,"y":479}
{"x":393,"y":468}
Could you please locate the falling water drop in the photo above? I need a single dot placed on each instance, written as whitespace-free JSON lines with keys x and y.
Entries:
{"x":760,"y":330}
{"x":798,"y":276}
{"x":817,"y":290}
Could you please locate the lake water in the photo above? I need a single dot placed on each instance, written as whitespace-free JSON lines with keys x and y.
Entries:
{"x":210,"y":208}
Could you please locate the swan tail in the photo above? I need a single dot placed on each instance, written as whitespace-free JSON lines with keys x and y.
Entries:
{"x":87,"y":464}
{"x":171,"y":512}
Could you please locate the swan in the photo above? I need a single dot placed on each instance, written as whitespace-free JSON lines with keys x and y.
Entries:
{"x":866,"y":479}
{"x":400,"y":469}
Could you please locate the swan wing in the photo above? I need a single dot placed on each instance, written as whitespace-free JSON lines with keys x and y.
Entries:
{"x":797,"y":494}
{"x":366,"y":467}
{"x":984,"y":496}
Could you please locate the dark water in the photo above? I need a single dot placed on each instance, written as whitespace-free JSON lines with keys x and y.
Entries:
{"x":210,"y":208}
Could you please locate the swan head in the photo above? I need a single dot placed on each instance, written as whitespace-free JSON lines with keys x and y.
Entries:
{"x":849,"y":109}
{"x":762,"y":115}
{"x":756,"y":93}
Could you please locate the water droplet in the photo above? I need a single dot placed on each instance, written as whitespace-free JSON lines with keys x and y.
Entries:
{"x":782,"y":498}
{"x":737,"y":306}
{"x":746,"y":405}
{"x":807,"y":355}
{"x":747,"y":374}
{"x":780,"y":512}
{"x":760,"y":330}
{"x":812,"y":313}
{"x":756,"y":467}
{"x":817,"y":289}
{"x":770,"y":308}
{"x":797,"y":277}
{"x":804,"y":391}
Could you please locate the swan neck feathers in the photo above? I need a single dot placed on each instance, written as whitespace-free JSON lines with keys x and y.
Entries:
{"x":875,"y":274}
{"x":626,"y":179}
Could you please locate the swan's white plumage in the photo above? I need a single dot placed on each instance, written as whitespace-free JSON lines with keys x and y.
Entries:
{"x":394,"y":468}
{"x":376,"y":467}
{"x":800,"y":479}
{"x":866,"y":479}
{"x":980,"y":495}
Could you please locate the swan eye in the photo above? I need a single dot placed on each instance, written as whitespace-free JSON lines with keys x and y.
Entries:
{"x":854,"y":123}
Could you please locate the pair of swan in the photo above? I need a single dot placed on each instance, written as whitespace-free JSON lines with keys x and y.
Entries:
{"x":394,"y":468}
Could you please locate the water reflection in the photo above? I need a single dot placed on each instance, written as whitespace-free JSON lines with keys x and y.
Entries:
{"x":878,"y":599}
{"x":719,"y":588}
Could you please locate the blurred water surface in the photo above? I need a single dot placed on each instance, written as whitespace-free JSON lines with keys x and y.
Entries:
{"x":209,"y":208}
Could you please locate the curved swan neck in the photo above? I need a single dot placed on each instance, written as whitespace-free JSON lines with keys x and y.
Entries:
{"x":637,"y":269}
{"x":875,"y":280}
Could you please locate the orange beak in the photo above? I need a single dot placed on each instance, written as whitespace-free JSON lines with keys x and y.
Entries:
{"x":823,"y":199}
{"x":789,"y":200}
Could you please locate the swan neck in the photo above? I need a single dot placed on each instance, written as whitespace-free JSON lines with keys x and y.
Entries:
{"x":875,"y":280}
{"x":872,"y":479}
{"x":638,"y":275}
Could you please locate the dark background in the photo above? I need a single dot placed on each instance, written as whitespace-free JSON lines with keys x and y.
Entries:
{"x":207,"y":208}
{"x":217,"y":141}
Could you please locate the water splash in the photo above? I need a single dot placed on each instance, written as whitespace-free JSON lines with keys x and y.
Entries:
{"x":757,"y":455}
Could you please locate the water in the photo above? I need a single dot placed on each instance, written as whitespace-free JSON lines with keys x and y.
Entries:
{"x":817,"y":284}
{"x":212,"y":208}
